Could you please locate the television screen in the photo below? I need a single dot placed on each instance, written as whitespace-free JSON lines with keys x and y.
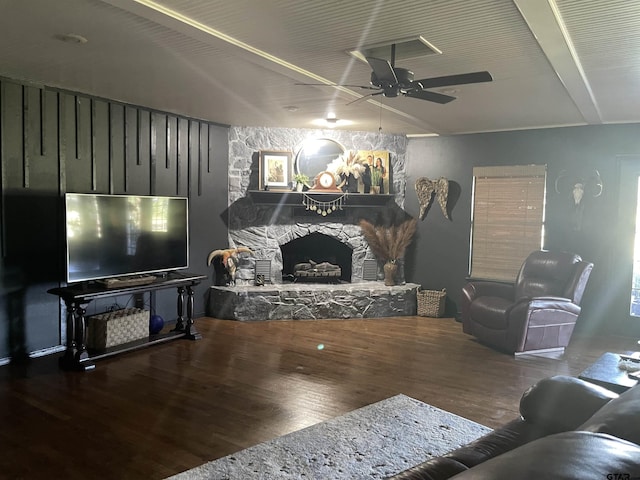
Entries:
{"x":118,"y":235}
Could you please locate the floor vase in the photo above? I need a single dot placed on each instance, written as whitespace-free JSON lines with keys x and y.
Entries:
{"x":390,"y":270}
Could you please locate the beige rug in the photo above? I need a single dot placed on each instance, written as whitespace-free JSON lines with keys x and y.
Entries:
{"x":372,"y":442}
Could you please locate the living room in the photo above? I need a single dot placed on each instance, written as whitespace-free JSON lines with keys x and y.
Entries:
{"x":60,"y":135}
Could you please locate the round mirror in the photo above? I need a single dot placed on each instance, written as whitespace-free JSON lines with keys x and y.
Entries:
{"x":315,"y":154}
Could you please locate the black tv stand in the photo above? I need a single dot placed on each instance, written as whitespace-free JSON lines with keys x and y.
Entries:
{"x":76,"y":298}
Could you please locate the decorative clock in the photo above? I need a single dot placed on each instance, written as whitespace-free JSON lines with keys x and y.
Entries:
{"x":325,"y":182}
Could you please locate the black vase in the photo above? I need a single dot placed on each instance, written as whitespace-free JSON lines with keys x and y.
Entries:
{"x":351,"y":185}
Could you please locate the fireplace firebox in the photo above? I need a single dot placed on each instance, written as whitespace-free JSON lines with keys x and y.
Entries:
{"x":329,"y":254}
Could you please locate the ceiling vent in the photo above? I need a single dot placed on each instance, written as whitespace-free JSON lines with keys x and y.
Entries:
{"x":405,"y":49}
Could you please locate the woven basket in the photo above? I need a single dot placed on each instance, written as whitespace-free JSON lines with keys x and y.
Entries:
{"x":117,"y":327}
{"x":431,"y":302}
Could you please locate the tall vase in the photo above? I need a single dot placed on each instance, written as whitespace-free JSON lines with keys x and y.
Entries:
{"x":390,"y":270}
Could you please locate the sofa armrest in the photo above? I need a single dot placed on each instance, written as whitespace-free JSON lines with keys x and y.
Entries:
{"x":485,"y":288}
{"x":527,"y":304}
{"x":481,"y":288}
{"x":562,"y":402}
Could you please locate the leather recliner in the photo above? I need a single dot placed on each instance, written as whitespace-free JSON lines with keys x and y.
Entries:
{"x":536,"y":313}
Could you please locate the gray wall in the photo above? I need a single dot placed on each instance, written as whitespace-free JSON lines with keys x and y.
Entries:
{"x":52,"y":142}
{"x":439,"y":258}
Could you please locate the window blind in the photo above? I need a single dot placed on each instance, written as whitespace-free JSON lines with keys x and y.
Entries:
{"x":507,"y":219}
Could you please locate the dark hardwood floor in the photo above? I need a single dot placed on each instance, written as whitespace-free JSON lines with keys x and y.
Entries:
{"x":156,"y":412}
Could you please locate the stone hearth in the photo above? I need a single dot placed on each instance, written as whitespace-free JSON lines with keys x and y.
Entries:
{"x":312,"y":301}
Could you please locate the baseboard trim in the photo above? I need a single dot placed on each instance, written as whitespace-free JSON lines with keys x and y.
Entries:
{"x":537,"y":352}
{"x":37,"y":353}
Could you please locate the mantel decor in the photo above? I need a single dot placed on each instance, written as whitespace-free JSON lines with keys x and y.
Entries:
{"x":275,"y":170}
{"x":295,"y":199}
{"x":323,"y":208}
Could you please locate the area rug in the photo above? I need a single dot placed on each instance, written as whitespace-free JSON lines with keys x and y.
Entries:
{"x":372,"y":442}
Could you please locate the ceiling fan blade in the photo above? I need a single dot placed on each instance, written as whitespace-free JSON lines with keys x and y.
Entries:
{"x":357,"y":100}
{"x":430,"y":96}
{"x":460,"y":79}
{"x":364,"y":87}
{"x":383,"y":70}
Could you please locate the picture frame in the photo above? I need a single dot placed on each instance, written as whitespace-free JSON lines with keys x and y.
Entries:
{"x":276,"y":170}
{"x":373,"y":157}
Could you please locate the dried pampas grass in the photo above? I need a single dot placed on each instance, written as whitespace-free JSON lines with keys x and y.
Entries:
{"x":389,"y":243}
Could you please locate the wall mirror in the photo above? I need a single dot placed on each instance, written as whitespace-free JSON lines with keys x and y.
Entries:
{"x":315,"y":154}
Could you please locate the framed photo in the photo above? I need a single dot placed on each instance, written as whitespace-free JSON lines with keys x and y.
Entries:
{"x":378,"y":162}
{"x":275,"y":170}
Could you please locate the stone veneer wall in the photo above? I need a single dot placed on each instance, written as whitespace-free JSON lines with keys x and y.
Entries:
{"x":264,"y":228}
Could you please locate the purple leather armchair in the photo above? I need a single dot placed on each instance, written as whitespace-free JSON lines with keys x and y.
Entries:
{"x":536,"y":313}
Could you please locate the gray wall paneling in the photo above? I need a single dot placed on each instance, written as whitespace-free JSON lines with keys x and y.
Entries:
{"x":52,"y":142}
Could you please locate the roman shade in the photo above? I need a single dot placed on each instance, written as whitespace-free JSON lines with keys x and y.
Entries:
{"x":507,"y":219}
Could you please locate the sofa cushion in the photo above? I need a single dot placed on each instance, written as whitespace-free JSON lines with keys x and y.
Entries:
{"x":437,"y":468}
{"x":491,"y":312}
{"x":620,"y":417}
{"x":563,"y":456}
{"x":562,"y":403}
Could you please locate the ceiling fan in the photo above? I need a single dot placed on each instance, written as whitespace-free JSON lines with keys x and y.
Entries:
{"x":391,"y":81}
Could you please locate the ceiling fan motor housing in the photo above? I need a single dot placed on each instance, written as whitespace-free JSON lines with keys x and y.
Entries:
{"x":405,"y":77}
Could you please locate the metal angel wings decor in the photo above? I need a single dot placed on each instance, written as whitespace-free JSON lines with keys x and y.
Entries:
{"x":426,"y":189}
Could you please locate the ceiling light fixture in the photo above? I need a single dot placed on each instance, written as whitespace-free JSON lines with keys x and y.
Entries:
{"x":331,"y":122}
{"x":421,"y":135}
{"x":72,"y":38}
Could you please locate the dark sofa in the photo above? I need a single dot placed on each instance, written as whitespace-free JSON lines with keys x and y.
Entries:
{"x":568,"y":429}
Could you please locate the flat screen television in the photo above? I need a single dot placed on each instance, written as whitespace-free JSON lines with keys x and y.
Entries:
{"x":119,"y":235}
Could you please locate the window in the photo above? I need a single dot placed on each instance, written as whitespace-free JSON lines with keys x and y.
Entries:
{"x":634,"y":311}
{"x":507,"y":219}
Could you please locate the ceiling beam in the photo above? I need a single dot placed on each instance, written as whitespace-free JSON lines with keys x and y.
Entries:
{"x":545,"y":22}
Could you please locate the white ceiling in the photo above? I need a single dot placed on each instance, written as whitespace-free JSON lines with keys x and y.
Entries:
{"x":237,"y":62}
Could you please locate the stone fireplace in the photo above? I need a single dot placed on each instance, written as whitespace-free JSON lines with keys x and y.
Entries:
{"x":285,"y":234}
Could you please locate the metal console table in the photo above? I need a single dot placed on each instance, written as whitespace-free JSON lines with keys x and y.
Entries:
{"x":77,"y":297}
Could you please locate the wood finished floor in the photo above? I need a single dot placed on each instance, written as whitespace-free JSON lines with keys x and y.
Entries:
{"x":159,"y":411}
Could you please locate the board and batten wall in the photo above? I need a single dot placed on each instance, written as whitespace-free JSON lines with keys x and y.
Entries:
{"x":53,"y":142}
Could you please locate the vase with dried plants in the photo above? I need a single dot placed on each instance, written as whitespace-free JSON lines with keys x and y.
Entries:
{"x":389,"y":243}
{"x":348,"y":166}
